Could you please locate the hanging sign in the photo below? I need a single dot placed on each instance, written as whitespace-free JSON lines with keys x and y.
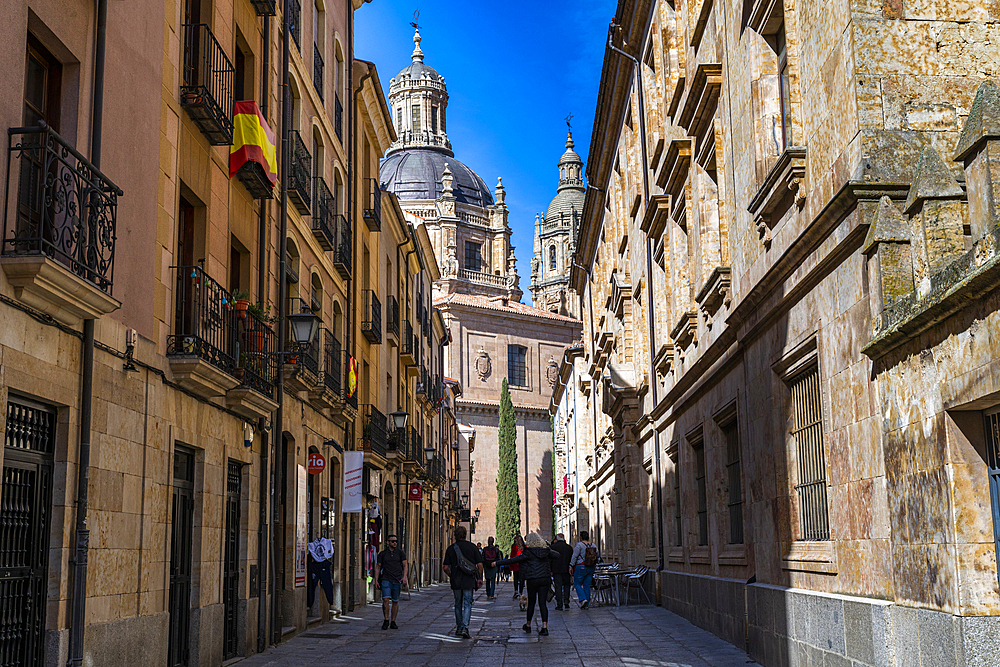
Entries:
{"x":317,"y":463}
{"x":416,"y":491}
{"x":354,"y":463}
{"x":352,"y":376}
{"x":300,"y":528}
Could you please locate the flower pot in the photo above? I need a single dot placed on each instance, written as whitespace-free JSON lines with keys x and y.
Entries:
{"x":241,"y":308}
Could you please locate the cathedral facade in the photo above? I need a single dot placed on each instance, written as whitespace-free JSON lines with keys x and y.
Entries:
{"x":492,"y":334}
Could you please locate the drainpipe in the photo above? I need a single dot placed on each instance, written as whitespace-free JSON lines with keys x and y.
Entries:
{"x":79,"y":610}
{"x":262,"y":523}
{"x":286,"y":118}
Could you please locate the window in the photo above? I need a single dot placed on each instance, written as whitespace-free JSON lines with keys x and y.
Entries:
{"x":678,"y":519}
{"x":42,"y":79}
{"x":415,"y":117}
{"x":808,"y":434}
{"x":434,"y":120}
{"x":734,"y":470}
{"x":517,"y":356}
{"x":473,"y":256}
{"x":399,"y":120}
{"x":698,"y":448}
{"x":993,"y":468}
{"x":552,"y":258}
{"x":784,"y":139}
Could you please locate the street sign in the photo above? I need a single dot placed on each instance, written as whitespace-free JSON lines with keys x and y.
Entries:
{"x":416,"y":491}
{"x":317,"y":463}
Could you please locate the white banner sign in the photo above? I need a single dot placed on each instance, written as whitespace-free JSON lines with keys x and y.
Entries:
{"x":300,"y":527}
{"x":353,"y":468}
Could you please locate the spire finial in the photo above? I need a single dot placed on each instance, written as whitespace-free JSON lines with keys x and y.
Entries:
{"x":569,"y":130}
{"x":417,"y":55}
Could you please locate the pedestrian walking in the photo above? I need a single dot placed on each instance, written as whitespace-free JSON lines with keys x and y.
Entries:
{"x":390,"y":573}
{"x":515,"y":551}
{"x":584,"y":562}
{"x":535,"y":566}
{"x":320,"y":560}
{"x":464,"y":565}
{"x":491,"y":554}
{"x":561,"y":571}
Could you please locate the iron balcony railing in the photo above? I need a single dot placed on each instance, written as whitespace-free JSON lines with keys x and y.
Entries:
{"x":324,"y":208}
{"x":343,"y":251}
{"x":300,"y":175}
{"x":374,"y":433}
{"x":373,"y":206}
{"x":66,"y":208}
{"x":371,"y":318}
{"x":294,"y":20}
{"x":265,"y":7}
{"x":338,"y":118}
{"x":406,"y":345}
{"x":418,"y":449}
{"x":423,"y":384}
{"x":318,"y":71}
{"x":392,"y":316}
{"x":308,"y":355}
{"x":204,"y":320}
{"x":332,"y":362}
{"x":415,"y":451}
{"x":401,"y":441}
{"x":258,"y":361}
{"x":207,"y":84}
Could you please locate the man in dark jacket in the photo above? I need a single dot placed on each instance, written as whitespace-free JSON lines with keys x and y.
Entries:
{"x":561,"y":571}
{"x":463,"y":584}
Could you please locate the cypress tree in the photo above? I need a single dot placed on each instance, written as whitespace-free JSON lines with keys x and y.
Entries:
{"x":508,"y":493}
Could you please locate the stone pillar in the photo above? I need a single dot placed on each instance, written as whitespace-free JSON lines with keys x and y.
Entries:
{"x":979,"y":150}
{"x":890,"y":264}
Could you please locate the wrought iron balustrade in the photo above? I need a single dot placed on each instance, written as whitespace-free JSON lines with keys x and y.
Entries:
{"x":318,"y":71}
{"x":332,"y":362}
{"x":294,"y":20}
{"x":406,"y":345}
{"x":323,"y":211}
{"x":308,"y":355}
{"x":338,"y":118}
{"x":392,"y":315}
{"x":343,"y":251}
{"x":300,"y":175}
{"x":374,"y":433}
{"x":371,"y":317}
{"x":422,"y":382}
{"x":373,"y":206}
{"x":207,"y":84}
{"x":204,"y":320}
{"x":66,"y":208}
{"x":415,"y":451}
{"x":258,"y":361}
{"x":265,"y":7}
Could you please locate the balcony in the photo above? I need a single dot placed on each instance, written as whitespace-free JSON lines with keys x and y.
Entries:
{"x":332,"y":363}
{"x":257,"y":369}
{"x":58,"y":249}
{"x":300,"y":175}
{"x":265,"y":7}
{"x":323,"y":219}
{"x":301,"y":368}
{"x":406,"y":345}
{"x":207,"y":84}
{"x":392,"y":320}
{"x":482,"y":278}
{"x":423,"y":384}
{"x":338,"y":118}
{"x":371,"y":317}
{"x":343,"y":251}
{"x":374,"y":433}
{"x":318,"y":71}
{"x":294,"y":20}
{"x":373,"y":206}
{"x":202,"y":350}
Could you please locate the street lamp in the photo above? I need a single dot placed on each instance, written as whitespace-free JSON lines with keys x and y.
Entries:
{"x":399,"y":418}
{"x":465,"y":500}
{"x":304,"y":326}
{"x":454,"y":483}
{"x":477,"y":514}
{"x":429,"y":453}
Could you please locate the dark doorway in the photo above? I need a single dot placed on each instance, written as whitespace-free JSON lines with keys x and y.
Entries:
{"x":182,"y":518}
{"x":25,"y":514}
{"x":231,"y":564}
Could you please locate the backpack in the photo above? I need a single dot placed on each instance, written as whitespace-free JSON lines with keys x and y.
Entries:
{"x":590,"y":556}
{"x":491,"y":554}
{"x":464,"y":564}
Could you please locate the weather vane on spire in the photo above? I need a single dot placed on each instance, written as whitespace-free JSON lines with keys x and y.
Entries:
{"x":569,"y":125}
{"x":416,"y":17}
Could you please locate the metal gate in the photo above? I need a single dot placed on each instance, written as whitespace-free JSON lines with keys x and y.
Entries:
{"x":180,"y":559}
{"x":231,"y":565}
{"x":993,"y":467}
{"x":25,"y":512}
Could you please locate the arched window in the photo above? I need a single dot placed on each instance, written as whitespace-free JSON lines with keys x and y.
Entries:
{"x":316,"y":295}
{"x":552,"y":258}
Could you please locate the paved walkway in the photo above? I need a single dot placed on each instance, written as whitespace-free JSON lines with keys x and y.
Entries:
{"x":643,"y":636}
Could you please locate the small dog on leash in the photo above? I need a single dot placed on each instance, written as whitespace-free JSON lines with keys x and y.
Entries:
{"x":522,"y":602}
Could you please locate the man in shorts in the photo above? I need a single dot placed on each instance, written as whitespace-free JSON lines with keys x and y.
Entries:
{"x":390,"y":572}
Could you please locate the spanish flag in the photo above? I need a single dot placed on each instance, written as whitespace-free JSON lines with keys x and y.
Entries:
{"x":253,"y":141}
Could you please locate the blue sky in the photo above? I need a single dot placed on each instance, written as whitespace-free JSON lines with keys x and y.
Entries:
{"x":514,"y":70}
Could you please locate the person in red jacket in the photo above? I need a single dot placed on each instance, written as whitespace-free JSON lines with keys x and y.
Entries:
{"x":515,"y":551}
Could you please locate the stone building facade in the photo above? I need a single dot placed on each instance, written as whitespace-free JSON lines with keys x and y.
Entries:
{"x":787,"y":288}
{"x":492,"y":335}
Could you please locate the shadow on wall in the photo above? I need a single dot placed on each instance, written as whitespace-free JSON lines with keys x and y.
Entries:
{"x":544,"y":496}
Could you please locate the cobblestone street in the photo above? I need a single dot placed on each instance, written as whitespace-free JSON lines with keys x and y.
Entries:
{"x":639,"y":636}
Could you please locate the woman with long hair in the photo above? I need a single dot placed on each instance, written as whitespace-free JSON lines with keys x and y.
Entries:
{"x":515,"y":551}
{"x":535,"y":568}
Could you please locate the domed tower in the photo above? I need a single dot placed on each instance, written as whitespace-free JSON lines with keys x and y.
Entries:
{"x":555,"y":238}
{"x":467,"y":226}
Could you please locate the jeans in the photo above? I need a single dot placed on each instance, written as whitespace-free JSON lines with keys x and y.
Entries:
{"x":391,"y":589}
{"x":491,"y":581}
{"x":538,"y":588}
{"x":582,"y":578}
{"x":319,"y":573}
{"x":463,"y":608}
{"x":562,"y":580}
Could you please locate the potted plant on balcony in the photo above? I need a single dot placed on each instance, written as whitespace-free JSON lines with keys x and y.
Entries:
{"x":241,"y":302}
{"x":366,"y":437}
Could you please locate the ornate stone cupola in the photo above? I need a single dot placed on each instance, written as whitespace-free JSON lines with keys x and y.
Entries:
{"x":418,"y":99}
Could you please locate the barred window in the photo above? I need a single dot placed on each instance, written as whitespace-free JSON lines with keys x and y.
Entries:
{"x":734,"y":470}
{"x":808,"y":434}
{"x":678,"y":520}
{"x":552,"y":258}
{"x":699,"y":478}
{"x":473,"y":256}
{"x":517,"y":356}
{"x":415,"y":117}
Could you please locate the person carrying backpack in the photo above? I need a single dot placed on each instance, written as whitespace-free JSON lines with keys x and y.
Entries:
{"x":464,"y":564}
{"x":491,"y":553}
{"x":584,"y":562}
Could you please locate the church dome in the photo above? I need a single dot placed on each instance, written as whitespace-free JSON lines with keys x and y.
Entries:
{"x":415,"y":173}
{"x":572,"y":191}
{"x":567,"y":201}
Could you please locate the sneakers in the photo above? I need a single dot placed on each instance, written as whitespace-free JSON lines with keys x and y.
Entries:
{"x":385,"y":625}
{"x":393,"y":625}
{"x":544,"y":632}
{"x":586,"y":603}
{"x":464,"y":633}
{"x":526,"y":628}
{"x":559,"y":608}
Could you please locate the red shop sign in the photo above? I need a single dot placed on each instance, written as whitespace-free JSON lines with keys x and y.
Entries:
{"x":416,"y":491}
{"x":317,"y":463}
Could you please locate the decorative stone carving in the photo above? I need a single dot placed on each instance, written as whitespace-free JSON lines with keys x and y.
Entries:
{"x":449,"y":265}
{"x":786,"y":176}
{"x":552,"y":372}
{"x":715,"y":293}
{"x":483,"y":365}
